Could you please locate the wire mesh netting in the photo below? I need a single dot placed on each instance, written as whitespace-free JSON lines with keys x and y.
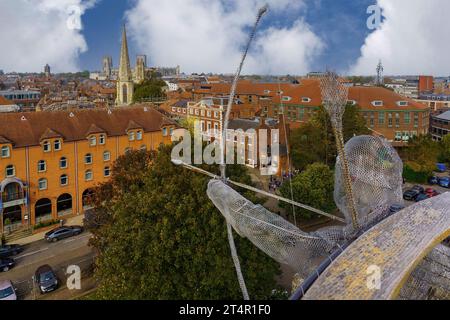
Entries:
{"x":376,"y":176}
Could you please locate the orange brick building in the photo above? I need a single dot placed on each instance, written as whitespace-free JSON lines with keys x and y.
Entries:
{"x":51,"y":161}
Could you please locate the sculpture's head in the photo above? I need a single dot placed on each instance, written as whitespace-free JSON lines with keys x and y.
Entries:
{"x":376,"y":173}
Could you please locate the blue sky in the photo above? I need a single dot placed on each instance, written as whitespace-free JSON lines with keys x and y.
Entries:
{"x":297,"y":36}
{"x":341,"y":23}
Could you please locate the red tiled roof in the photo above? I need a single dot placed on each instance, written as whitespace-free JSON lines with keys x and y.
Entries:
{"x":26,"y":129}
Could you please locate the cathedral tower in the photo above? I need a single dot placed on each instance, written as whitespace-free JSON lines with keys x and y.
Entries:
{"x":125,"y":86}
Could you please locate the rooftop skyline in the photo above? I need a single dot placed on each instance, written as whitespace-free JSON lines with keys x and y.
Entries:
{"x":296,"y":37}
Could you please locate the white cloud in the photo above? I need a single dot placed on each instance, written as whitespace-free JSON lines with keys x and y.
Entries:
{"x":209,"y":35}
{"x":36,"y":32}
{"x":411,"y":40}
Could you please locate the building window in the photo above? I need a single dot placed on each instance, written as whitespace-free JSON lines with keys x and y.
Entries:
{"x":42,"y":184}
{"x":6,"y":152}
{"x":102,"y":139}
{"x":131,"y":136}
{"x":47,"y":146}
{"x":107,"y":172}
{"x":42,"y":166}
{"x":88,"y":159}
{"x":216,"y":115}
{"x":106,"y":156}
{"x":63,"y":163}
{"x":209,"y":113}
{"x":164,"y":132}
{"x":64,"y":180}
{"x":88,"y":176}
{"x":407,"y":118}
{"x":397,"y":120}
{"x":10,"y":171}
{"x":390,"y":120}
{"x":93,"y":141}
{"x":57,"y":145}
{"x":139,"y":135}
{"x":171,"y":131}
{"x":380,"y":117}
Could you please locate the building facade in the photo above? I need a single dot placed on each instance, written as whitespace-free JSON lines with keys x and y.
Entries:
{"x":440,"y":125}
{"x":51,"y":161}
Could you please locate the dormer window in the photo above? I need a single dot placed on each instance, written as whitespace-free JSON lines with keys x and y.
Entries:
{"x":92,"y":141}
{"x":286,"y":98}
{"x":57,"y":145}
{"x":47,"y":146}
{"x":6,"y":152}
{"x":164,"y":132}
{"x":351,"y":102}
{"x":306,"y":99}
{"x":139,"y":135}
{"x":377,"y":103}
{"x":102,"y":139}
{"x":402,"y":103}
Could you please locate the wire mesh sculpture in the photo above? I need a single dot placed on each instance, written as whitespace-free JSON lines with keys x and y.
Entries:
{"x":335,"y":97}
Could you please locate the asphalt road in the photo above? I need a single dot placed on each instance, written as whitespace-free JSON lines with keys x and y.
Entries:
{"x":59,"y":255}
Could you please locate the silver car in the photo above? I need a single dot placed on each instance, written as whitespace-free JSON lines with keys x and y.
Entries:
{"x":7,"y":291}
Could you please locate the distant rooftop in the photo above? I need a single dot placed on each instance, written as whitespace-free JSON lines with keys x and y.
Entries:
{"x":444,"y":116}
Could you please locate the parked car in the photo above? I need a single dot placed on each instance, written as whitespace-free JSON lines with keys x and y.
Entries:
{"x":396,"y":208}
{"x":433,"y":180}
{"x":7,"y":291}
{"x":9,"y":250}
{"x":6,"y":264}
{"x":420,"y":189}
{"x":421,"y":197}
{"x":411,"y":195}
{"x":46,"y":279}
{"x":62,"y":233}
{"x":430,"y":192}
{"x":444,"y":182}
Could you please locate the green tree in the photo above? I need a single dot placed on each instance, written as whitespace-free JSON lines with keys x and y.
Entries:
{"x":313,"y":187}
{"x":151,"y":88}
{"x":315,"y":142}
{"x":445,"y":149}
{"x":162,"y":238}
{"x":422,"y":154}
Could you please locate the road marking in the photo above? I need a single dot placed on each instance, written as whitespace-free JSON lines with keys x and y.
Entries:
{"x":79,"y":238}
{"x":31,"y":253}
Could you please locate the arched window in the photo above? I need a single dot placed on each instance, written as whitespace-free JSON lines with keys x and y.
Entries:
{"x":88,"y":175}
{"x":42,"y":166}
{"x":6,"y":153}
{"x":88,"y":158}
{"x":57,"y":145}
{"x":42,"y":184}
{"x":125,"y":93}
{"x":131,"y":135}
{"x":93,"y":141}
{"x":102,"y":139}
{"x":106,"y":156}
{"x":107,"y":171}
{"x":63,"y":163}
{"x":47,"y":146}
{"x":64,"y":180}
{"x":10,"y":171}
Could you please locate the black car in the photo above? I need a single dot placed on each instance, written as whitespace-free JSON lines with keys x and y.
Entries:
{"x":6,"y":264}
{"x":46,"y":279}
{"x":411,"y":195}
{"x":9,"y":250}
{"x":420,"y":189}
{"x":433,"y":180}
{"x":62,"y":233}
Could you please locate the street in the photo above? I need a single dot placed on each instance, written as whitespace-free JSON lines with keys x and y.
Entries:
{"x":59,"y":255}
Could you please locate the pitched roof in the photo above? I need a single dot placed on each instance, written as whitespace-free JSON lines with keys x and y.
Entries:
{"x":5,"y":102}
{"x":133,"y":125}
{"x":4,"y":140}
{"x":73,"y":125}
{"x":93,"y":129}
{"x":444,"y":116}
{"x":50,"y":134}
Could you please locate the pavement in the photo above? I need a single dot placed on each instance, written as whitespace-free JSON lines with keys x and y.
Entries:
{"x":74,"y":221}
{"x":59,"y":255}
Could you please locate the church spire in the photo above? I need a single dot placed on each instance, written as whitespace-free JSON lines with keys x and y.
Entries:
{"x":124,"y":68}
